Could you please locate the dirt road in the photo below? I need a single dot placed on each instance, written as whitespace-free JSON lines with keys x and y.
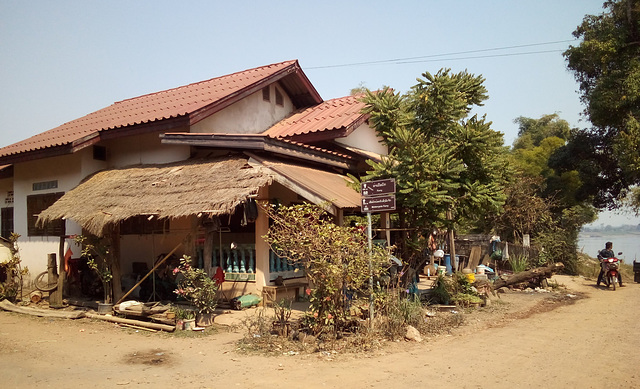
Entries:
{"x":592,"y":343}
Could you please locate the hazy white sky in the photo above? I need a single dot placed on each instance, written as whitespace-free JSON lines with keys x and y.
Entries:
{"x":63,"y":59}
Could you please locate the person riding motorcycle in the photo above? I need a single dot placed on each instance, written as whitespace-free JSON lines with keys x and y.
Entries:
{"x":607,"y":252}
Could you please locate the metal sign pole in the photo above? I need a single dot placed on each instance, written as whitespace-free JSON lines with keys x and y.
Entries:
{"x":370,"y":245}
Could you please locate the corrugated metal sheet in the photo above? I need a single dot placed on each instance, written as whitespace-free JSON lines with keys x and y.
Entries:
{"x":331,"y":187}
{"x":153,"y":107}
{"x":335,"y":114}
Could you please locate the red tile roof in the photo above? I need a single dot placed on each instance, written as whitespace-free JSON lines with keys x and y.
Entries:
{"x":342,"y":114}
{"x":193,"y":101}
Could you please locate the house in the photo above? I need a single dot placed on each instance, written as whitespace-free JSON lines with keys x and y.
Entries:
{"x":188,"y":169}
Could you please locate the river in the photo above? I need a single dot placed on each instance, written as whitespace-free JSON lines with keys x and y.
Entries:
{"x":627,"y":242}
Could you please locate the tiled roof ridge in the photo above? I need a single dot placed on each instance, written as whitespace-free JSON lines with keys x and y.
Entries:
{"x":288,"y":62}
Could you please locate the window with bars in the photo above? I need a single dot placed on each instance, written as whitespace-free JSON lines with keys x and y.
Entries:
{"x":37,"y":204}
{"x":7,"y":222}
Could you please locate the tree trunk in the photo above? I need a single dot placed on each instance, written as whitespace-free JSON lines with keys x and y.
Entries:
{"x":540,"y":272}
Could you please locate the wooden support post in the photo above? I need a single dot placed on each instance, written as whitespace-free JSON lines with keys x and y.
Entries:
{"x":115,"y":263}
{"x":209,"y":234}
{"x":191,"y":240}
{"x":385,"y":223}
{"x":55,"y":296}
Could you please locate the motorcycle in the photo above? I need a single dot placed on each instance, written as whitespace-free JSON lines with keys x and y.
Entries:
{"x":610,"y":268}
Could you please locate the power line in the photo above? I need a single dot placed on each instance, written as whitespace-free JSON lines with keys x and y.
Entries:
{"x":425,"y":58}
{"x":482,"y":56}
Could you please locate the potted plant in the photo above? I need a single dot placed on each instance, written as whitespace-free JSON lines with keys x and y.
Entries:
{"x":96,"y":251}
{"x":197,"y":287}
{"x":185,"y":318}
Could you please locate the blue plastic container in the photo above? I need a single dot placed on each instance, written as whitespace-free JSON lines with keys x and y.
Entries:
{"x":447,"y":263}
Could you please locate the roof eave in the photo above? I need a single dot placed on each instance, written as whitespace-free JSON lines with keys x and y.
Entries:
{"x":259,"y":142}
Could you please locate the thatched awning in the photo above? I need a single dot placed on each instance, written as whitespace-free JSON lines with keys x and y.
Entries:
{"x":184,"y":188}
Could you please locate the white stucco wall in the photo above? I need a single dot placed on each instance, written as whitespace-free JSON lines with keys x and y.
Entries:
{"x":66,"y":170}
{"x":143,"y":149}
{"x":69,"y":171}
{"x":251,"y":115}
{"x":364,"y":138}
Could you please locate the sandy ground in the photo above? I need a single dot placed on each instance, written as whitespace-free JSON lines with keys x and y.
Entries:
{"x":526,"y":342}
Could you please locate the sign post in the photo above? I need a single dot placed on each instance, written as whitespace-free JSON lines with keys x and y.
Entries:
{"x":377,"y":196}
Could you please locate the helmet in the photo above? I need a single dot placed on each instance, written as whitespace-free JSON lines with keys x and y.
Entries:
{"x":438,"y":254}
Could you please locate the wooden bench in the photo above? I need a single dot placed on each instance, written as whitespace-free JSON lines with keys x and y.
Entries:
{"x":270,"y":292}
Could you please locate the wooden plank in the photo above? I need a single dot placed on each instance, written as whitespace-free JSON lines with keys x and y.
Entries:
{"x":474,"y":257}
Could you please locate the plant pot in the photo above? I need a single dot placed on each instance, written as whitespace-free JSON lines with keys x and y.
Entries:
{"x":189,"y":324}
{"x":179,"y":325}
{"x":204,"y":319}
{"x":104,"y":308}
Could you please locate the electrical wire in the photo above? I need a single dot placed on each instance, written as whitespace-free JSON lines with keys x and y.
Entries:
{"x":430,"y":58}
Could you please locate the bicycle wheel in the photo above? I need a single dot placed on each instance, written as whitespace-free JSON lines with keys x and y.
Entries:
{"x":44,"y":284}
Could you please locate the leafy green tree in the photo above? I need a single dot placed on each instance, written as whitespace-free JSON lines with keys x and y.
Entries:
{"x":606,"y":65}
{"x":444,"y":162}
{"x":533,"y":131}
{"x":541,"y":201}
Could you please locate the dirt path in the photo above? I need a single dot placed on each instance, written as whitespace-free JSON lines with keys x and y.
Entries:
{"x":592,"y":343}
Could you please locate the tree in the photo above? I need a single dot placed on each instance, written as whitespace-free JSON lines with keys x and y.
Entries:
{"x":533,"y":131}
{"x":606,"y":65}
{"x":541,"y":201}
{"x":336,"y":260}
{"x":449,"y":169}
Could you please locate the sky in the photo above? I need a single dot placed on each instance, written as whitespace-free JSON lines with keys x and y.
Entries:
{"x":62,"y":60}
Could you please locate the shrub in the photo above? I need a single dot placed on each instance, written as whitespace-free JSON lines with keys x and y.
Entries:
{"x":196,"y":286}
{"x":335,"y":258}
{"x":518,"y":263}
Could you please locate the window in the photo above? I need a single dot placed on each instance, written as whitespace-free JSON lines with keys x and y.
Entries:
{"x":266,"y":94}
{"x":99,"y":153}
{"x":45,"y":185}
{"x":279,"y":98}
{"x":37,"y":204}
{"x":141,"y":225}
{"x":7,"y":222}
{"x":9,"y":199}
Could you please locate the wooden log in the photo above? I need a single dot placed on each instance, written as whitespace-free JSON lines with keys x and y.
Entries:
{"x":113,"y":319}
{"x":8,"y":306}
{"x":540,"y":272}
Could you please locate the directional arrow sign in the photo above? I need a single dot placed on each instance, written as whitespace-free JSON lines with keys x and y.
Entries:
{"x":378,"y":187}
{"x":379,"y":203}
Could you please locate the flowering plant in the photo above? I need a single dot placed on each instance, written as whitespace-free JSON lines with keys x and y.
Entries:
{"x":196,"y":286}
